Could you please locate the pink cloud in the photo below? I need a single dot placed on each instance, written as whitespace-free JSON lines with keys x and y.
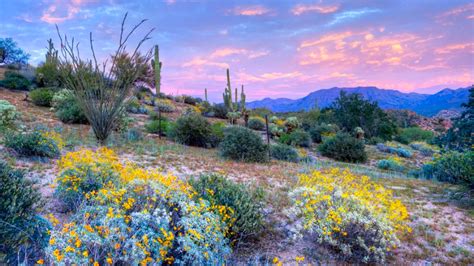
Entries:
{"x":60,"y":11}
{"x":257,"y":10}
{"x":301,"y":9}
{"x":199,"y":62}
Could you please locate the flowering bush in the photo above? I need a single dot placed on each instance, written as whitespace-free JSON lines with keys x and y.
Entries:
{"x":40,"y":143}
{"x":165,"y":106}
{"x":8,"y":114}
{"x":355,"y":216}
{"x":138,"y":217}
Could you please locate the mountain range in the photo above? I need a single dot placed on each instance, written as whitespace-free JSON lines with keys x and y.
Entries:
{"x":423,"y":104}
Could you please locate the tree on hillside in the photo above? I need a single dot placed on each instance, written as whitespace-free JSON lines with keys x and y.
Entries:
{"x":461,"y":135}
{"x":102,"y":90}
{"x":351,"y":111}
{"x":10,"y":53}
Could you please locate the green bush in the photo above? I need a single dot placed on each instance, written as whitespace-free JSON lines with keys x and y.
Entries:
{"x":22,"y":233}
{"x":154,"y":127}
{"x":390,"y":164}
{"x":243,"y":144}
{"x":452,"y":167}
{"x":8,"y":114}
{"x":343,"y":147}
{"x":42,"y":96}
{"x":219,"y":111}
{"x":35,"y":143}
{"x":133,"y":135}
{"x":134,"y":107}
{"x":298,"y":138}
{"x":15,"y":81}
{"x":412,"y":134}
{"x":256,"y":123}
{"x":67,"y":108}
{"x":292,"y":123}
{"x":246,"y":203}
{"x":217,"y":134}
{"x":193,"y":130}
{"x":284,"y":153}
{"x":319,"y":132}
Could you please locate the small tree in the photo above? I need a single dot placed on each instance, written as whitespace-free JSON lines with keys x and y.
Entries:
{"x":100,"y":90}
{"x":11,"y":54}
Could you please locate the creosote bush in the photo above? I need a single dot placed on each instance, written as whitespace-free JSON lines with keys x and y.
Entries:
{"x":139,"y":217}
{"x":298,"y":138}
{"x":452,"y":167}
{"x":35,"y":143}
{"x":243,"y":144}
{"x":411,"y":134}
{"x":393,"y":164}
{"x":193,"y":130}
{"x":42,"y":96}
{"x":344,"y":147}
{"x":154,"y":126}
{"x":22,"y":233}
{"x":358,"y":218}
{"x":284,"y":153}
{"x":67,"y":108}
{"x":165,"y":105}
{"x":246,"y":203}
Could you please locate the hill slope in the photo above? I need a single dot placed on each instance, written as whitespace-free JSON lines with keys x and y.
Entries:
{"x":424,"y":104}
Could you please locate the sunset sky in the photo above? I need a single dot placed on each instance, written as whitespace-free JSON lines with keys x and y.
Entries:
{"x":275,"y":48}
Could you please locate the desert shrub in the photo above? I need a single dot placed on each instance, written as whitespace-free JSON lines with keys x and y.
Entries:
{"x":357,"y":217}
{"x":400,"y":151}
{"x":8,"y":114}
{"x":42,"y":96}
{"x":134,"y":107}
{"x":452,"y":167}
{"x":220,"y":111}
{"x":15,"y":81}
{"x":393,"y":164}
{"x":298,"y":138}
{"x":133,"y":135}
{"x":193,"y":130}
{"x":292,"y":123}
{"x":67,"y":108}
{"x":256,"y":123}
{"x":191,"y":110}
{"x":217,"y":134}
{"x":284,"y":153}
{"x":141,"y":217}
{"x":246,"y":203}
{"x":344,"y":147}
{"x":243,"y":144}
{"x":319,"y":132}
{"x":191,"y":100}
{"x":154,"y":126}
{"x":35,"y":143}
{"x":22,"y":233}
{"x":375,"y":141}
{"x":424,"y":148}
{"x":412,"y":134}
{"x":164,"y":105}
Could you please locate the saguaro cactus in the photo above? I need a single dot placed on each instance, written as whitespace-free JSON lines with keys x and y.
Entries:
{"x":227,"y":95}
{"x":205,"y":94}
{"x":157,"y":65}
{"x":51,"y":54}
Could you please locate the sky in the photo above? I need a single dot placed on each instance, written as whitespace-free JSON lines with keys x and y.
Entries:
{"x":274,"y":48}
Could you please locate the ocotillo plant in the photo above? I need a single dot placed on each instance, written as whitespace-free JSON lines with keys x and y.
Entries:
{"x":157,"y":65}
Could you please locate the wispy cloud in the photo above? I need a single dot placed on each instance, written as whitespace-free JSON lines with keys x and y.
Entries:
{"x":257,"y":10}
{"x":323,"y":9}
{"x":60,"y":11}
{"x":352,"y":14}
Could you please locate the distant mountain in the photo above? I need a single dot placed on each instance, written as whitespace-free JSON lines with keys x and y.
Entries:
{"x":424,"y":104}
